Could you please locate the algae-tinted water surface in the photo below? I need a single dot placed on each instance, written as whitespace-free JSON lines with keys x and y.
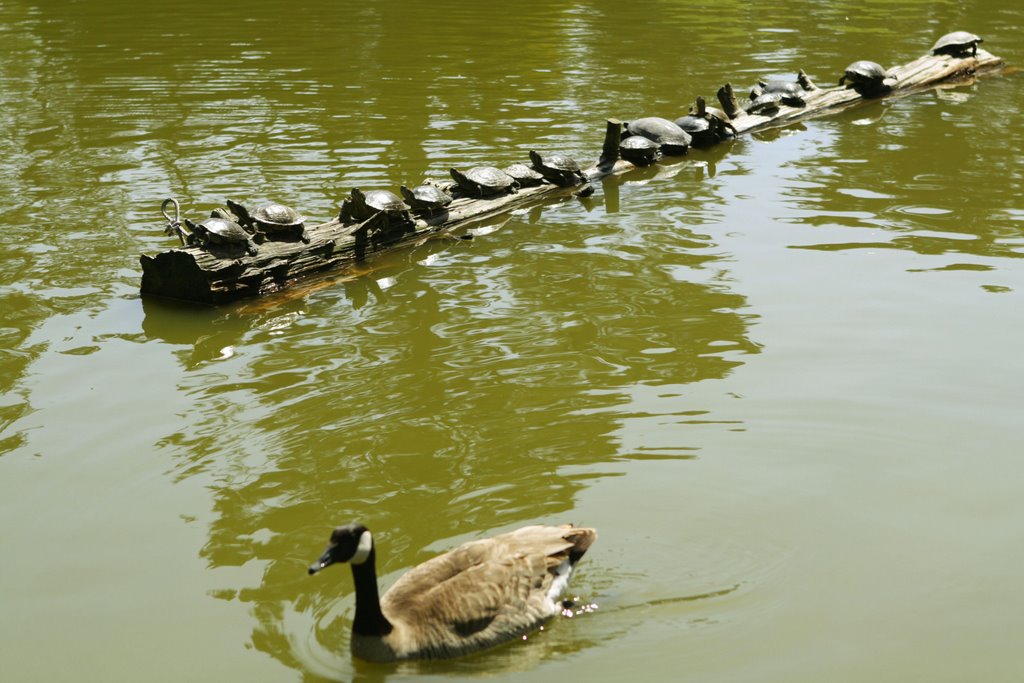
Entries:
{"x":780,"y":377}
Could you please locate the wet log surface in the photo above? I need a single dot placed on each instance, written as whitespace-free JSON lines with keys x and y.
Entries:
{"x":222,"y":274}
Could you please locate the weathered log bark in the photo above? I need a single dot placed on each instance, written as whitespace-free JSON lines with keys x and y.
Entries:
{"x":217,"y":275}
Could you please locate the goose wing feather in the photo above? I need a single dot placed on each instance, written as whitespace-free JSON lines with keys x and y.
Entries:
{"x":482,"y":593}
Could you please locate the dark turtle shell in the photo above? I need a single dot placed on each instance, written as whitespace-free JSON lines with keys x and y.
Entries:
{"x":671,"y":138}
{"x":701,"y":130}
{"x":558,"y":168}
{"x":221,"y":231}
{"x":791,"y":93}
{"x":384,"y":200}
{"x":639,"y":150}
{"x":524,"y":175}
{"x":957,"y":44}
{"x":693,"y":124}
{"x":361,"y":206}
{"x":484,"y":180}
{"x":766,"y":104}
{"x":278,"y":216}
{"x":863,"y":72}
{"x":426,"y":197}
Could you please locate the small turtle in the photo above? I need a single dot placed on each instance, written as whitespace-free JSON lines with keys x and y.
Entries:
{"x":363,"y":205}
{"x":426,"y":198}
{"x":220,"y":231}
{"x":639,"y":151}
{"x":719,"y":121}
{"x":767,"y":104}
{"x":699,"y":128}
{"x":957,"y":44}
{"x":867,"y":78}
{"x":484,"y":181}
{"x":792,"y":94}
{"x":559,"y":169}
{"x":524,"y":175}
{"x":672,"y":139}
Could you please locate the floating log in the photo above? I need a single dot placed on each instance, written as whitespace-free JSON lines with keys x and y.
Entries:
{"x":218,"y":274}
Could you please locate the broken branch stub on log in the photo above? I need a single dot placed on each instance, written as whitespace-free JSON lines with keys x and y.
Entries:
{"x":219,"y":274}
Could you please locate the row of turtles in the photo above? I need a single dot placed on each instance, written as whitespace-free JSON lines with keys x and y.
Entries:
{"x":238,"y":228}
{"x":643,"y":142}
{"x":433,"y":198}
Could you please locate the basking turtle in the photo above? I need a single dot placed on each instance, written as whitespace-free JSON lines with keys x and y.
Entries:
{"x":271,"y":219}
{"x":524,"y":175}
{"x":278,"y":218}
{"x":699,"y":128}
{"x":672,"y":139}
{"x":220,"y":231}
{"x":363,"y":205}
{"x":484,"y":181}
{"x":792,"y":94}
{"x":867,"y":78}
{"x":957,"y":44}
{"x":719,"y":121}
{"x":766,"y":105}
{"x":426,"y":198}
{"x":639,"y":151}
{"x":559,"y":169}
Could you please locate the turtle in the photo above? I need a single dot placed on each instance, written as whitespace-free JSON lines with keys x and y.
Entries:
{"x":426,"y":198}
{"x":719,"y":121}
{"x":363,"y":205}
{"x":220,"y":231}
{"x":639,"y":151}
{"x":484,"y":181}
{"x":559,"y":169}
{"x":699,"y":128}
{"x":524,"y":175}
{"x":767,"y":104}
{"x":672,"y":139}
{"x":274,"y":219}
{"x":867,"y":78}
{"x":792,"y":93}
{"x":278,"y":218}
{"x":957,"y":44}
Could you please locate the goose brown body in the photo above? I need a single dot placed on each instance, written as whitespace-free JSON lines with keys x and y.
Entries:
{"x":479,"y":595}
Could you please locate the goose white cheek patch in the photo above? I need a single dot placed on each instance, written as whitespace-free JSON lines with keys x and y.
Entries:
{"x":363,"y":549}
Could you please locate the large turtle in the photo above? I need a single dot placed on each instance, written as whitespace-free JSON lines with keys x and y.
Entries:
{"x":672,"y":139}
{"x":427,"y":198}
{"x":867,"y":78}
{"x":524,"y":175}
{"x":484,"y":181}
{"x":957,"y":44}
{"x":559,"y":169}
{"x":639,"y":150}
{"x":271,"y":219}
{"x":362,"y":205}
{"x":216,"y":231}
{"x":791,"y":93}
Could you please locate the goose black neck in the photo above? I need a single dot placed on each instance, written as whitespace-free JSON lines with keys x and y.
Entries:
{"x":370,"y":620}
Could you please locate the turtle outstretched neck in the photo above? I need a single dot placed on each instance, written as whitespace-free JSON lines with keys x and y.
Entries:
{"x":369,"y":620}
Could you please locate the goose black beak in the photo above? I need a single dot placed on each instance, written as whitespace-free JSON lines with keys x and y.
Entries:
{"x":324,"y":560}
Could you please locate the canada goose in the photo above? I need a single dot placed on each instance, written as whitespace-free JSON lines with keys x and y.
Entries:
{"x":481,"y":594}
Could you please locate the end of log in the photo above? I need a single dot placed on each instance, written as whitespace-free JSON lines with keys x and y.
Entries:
{"x":175,"y":274}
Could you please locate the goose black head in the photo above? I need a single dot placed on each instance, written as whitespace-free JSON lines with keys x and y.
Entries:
{"x":349,"y":543}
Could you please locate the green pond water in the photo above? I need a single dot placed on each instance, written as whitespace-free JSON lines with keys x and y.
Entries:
{"x":781,"y":378}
